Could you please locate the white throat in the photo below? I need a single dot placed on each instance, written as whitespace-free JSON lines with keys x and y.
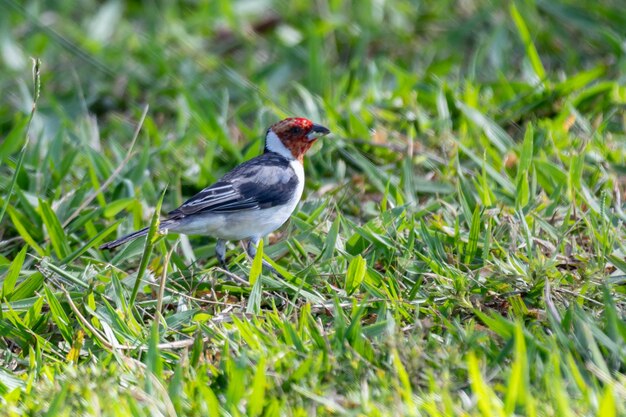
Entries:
{"x":274,"y":144}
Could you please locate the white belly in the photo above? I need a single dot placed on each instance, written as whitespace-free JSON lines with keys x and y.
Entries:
{"x":238,"y":225}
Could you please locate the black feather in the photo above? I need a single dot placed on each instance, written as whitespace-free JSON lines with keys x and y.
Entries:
{"x":262,"y":182}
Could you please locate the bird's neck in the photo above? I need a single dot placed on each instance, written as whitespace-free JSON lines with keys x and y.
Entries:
{"x":274,"y":144}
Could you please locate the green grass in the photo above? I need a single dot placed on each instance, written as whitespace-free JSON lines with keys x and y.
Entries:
{"x":460,"y":248}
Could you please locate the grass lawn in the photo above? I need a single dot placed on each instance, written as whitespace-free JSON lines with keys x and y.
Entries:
{"x":459,"y":250}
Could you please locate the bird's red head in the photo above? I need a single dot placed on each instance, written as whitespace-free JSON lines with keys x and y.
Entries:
{"x":296,"y":135}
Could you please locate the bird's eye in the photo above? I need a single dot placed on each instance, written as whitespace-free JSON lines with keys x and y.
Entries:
{"x":295,"y":130}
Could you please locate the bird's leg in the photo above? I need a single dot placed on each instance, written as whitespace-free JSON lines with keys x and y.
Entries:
{"x":251,"y":249}
{"x":220,"y":252}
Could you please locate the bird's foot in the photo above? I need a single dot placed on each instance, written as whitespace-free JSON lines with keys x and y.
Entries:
{"x":220,"y":252}
{"x":223,"y":264}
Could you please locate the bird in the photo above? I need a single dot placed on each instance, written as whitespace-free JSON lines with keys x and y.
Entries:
{"x":253,"y":199}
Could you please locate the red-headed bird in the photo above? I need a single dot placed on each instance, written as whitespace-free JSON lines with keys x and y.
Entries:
{"x":253,"y":199}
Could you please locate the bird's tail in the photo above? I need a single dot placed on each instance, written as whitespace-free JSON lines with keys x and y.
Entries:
{"x":124,"y":239}
{"x":142,"y":232}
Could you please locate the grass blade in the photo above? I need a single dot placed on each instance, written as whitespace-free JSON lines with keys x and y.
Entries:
{"x":355,"y":274}
{"x":147,"y":250}
{"x":55,"y":231}
{"x":20,"y":160}
{"x":14,"y":272}
{"x":531,"y":51}
{"x":257,"y":264}
{"x":59,"y":316}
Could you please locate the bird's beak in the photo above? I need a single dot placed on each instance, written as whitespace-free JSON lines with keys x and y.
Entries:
{"x":317,"y":131}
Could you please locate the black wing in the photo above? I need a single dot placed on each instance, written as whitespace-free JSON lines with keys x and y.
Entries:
{"x":262,"y":182}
